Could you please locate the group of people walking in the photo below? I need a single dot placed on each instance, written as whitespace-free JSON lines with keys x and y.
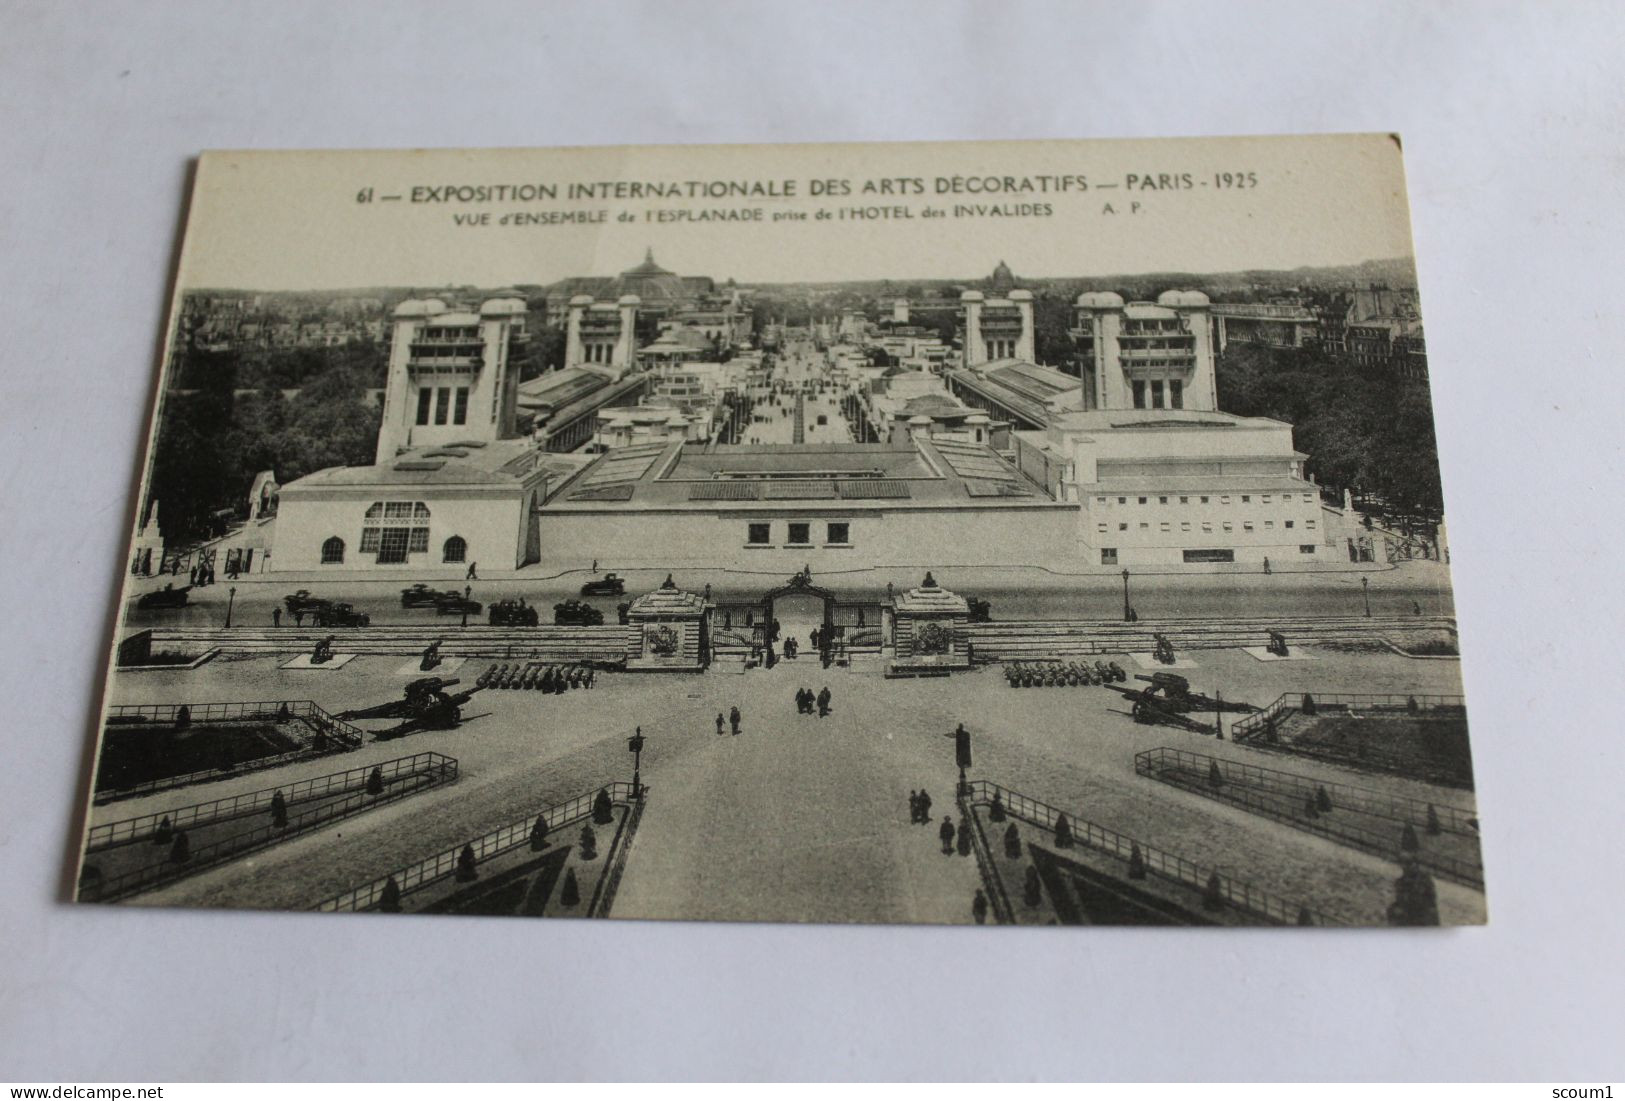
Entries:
{"x":919,"y":807}
{"x":732,"y":720}
{"x":806,"y":700}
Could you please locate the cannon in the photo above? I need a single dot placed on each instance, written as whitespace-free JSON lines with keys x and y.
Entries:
{"x":426,"y":705}
{"x":322,"y":652}
{"x":1172,"y":692}
{"x":981,"y":611}
{"x":1162,"y":650}
{"x":1277,"y":644}
{"x":1150,"y":711}
{"x":431,"y":657}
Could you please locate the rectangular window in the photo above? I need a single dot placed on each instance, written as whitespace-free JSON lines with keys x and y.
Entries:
{"x":1142,"y":500}
{"x":1228,"y":526}
{"x":1122,"y":527}
{"x":1101,"y":528}
{"x":1269,"y":525}
{"x":1176,"y":394}
{"x":1246,"y":500}
{"x":1265,"y":499}
{"x":1310,"y":524}
{"x":460,"y":411}
{"x":1224,"y":500}
{"x":1308,"y":499}
{"x":1289,"y":524}
{"x":1184,"y":525}
{"x":369,"y":540}
{"x":1204,"y":500}
{"x":419,"y":541}
{"x":1306,"y":548}
{"x":1162,"y":500}
{"x":1210,"y":555}
{"x":1108,"y":556}
{"x":1246,"y":525}
{"x":1167,"y":526}
{"x":425,"y":399}
{"x":1156,"y":394}
{"x":1184,"y":500}
{"x":800,"y":534}
{"x":442,"y":404}
{"x":1139,"y":394}
{"x":1207,"y":525}
{"x":1144,"y":526}
{"x":1100,"y":500}
{"x":392,"y":545}
{"x":759,"y":534}
{"x":1122,"y":500}
{"x":839,"y":533}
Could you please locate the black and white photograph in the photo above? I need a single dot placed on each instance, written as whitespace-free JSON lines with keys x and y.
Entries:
{"x":998,"y":533}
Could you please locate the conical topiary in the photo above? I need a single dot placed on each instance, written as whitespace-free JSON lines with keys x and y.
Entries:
{"x":1063,"y":832}
{"x":589,"y":843}
{"x":1032,"y":889}
{"x":538,"y":834}
{"x":1136,"y":861}
{"x":466,"y":870}
{"x":1309,"y":809}
{"x":1433,"y":822}
{"x":1213,"y":895}
{"x":603,"y":811}
{"x":375,"y":781}
{"x":1215,"y":778}
{"x":1308,"y":707}
{"x":978,"y":907}
{"x":279,"y":811}
{"x":1408,"y":841}
{"x":1323,"y":799}
{"x":995,"y":813}
{"x":1012,"y":842}
{"x":1415,"y":900}
{"x":164,"y":833}
{"x":570,"y":894}
{"x":180,"y":850}
{"x":389,"y":900}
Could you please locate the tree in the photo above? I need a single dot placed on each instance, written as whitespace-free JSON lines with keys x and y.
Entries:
{"x":1433,"y":822}
{"x":995,"y":813}
{"x":1213,"y":894}
{"x":1309,"y":807}
{"x":1136,"y":861}
{"x":466,"y":870}
{"x":279,"y":811}
{"x":1415,"y":899}
{"x":1032,"y":891}
{"x":1308,"y":707}
{"x":1323,"y":799}
{"x":963,"y":840}
{"x":180,"y":850}
{"x":570,"y":895}
{"x":1063,"y":832}
{"x":603,"y":812}
{"x":1215,"y":778}
{"x":589,"y":843}
{"x":389,"y":901}
{"x":538,"y":834}
{"x":164,"y":832}
{"x":375,"y":781}
{"x":978,"y":907}
{"x":1012,"y":842}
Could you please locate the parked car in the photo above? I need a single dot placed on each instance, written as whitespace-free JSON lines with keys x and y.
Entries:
{"x":339,"y":615}
{"x":576,"y":613}
{"x":608,"y":585}
{"x":419,"y":596}
{"x":452,"y":603}
{"x":301,"y":602}
{"x":513,"y":613}
{"x":167,"y":597}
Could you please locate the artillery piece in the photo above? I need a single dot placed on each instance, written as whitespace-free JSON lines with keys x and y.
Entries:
{"x":1172,"y":693}
{"x":426,"y":706}
{"x":1162,"y":650}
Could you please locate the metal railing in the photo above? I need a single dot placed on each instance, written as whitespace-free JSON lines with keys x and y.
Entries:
{"x":1261,"y":791}
{"x":254,"y":802}
{"x":1236,"y":894}
{"x":218,"y":852}
{"x":1255,"y":725}
{"x":442,"y":864}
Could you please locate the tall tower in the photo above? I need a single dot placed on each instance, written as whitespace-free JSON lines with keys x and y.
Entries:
{"x":450,"y":376}
{"x":1148,"y":355}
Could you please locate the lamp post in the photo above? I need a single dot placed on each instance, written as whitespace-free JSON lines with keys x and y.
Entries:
{"x":1128,"y":613}
{"x":1365,"y":589}
{"x":468,"y":592}
{"x":231,"y":598}
{"x":635,"y":744}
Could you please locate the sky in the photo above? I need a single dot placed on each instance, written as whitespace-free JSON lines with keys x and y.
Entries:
{"x":289,"y":221}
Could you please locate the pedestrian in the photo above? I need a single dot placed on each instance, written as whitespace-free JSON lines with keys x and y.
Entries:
{"x":194,"y":575}
{"x":945,"y":833}
{"x":913,"y":805}
{"x":1266,"y":564}
{"x":800,"y":703}
{"x":733,"y":719}
{"x":595,"y":565}
{"x":823,"y":702}
{"x":925,"y":808}
{"x":719,"y":722}
{"x":276,"y":617}
{"x":473,"y":572}
{"x":299,"y":618}
{"x":978,"y":907}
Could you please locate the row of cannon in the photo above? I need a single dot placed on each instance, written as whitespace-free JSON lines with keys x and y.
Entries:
{"x":536,"y":675}
{"x":1054,"y":674}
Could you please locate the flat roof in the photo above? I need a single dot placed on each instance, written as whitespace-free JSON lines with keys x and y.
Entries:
{"x":1146,"y":420}
{"x":1200,"y":483}
{"x":815,"y":477}
{"x":490,"y":463}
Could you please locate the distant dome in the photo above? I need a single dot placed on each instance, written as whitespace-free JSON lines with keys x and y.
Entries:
{"x":1182,"y":298}
{"x":649,"y":281}
{"x":1100,"y":300}
{"x":1001,"y":280}
{"x":503,"y":306}
{"x":420,"y":307}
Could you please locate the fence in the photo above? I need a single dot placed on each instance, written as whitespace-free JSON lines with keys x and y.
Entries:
{"x":1239,"y":895}
{"x":207,"y":856}
{"x":492,"y":844}
{"x":1189,"y":771}
{"x":254,"y":802}
{"x":1259,"y":723}
{"x":343,"y":736}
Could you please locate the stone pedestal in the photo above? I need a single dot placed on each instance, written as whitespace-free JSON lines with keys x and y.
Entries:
{"x":928,"y":632}
{"x":666,"y":631}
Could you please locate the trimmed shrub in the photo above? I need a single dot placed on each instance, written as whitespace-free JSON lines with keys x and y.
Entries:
{"x":589,"y":844}
{"x":962,"y":842}
{"x":1433,"y":822}
{"x":279,"y":811}
{"x":1415,"y":901}
{"x":389,"y":901}
{"x":995,"y":813}
{"x":183,"y":717}
{"x":1213,"y":895}
{"x":538,"y":834}
{"x":282,"y":713}
{"x":180,"y":850}
{"x":1063,"y":832}
{"x":1303,"y":916}
{"x":375,"y":781}
{"x":164,"y":832}
{"x":603,"y":811}
{"x":318,"y":744}
{"x":466,"y":870}
{"x":978,"y":907}
{"x":1323,"y":799}
{"x":1032,"y":888}
{"x":1215,"y":778}
{"x":1409,"y":843}
{"x":570,"y":894}
{"x":1308,"y":705}
{"x":1309,"y":810}
{"x":1012,"y":842}
{"x":1136,"y":862}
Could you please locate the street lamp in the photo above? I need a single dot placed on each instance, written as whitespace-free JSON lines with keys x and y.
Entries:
{"x":468,"y":592}
{"x":231,"y":598}
{"x":1365,"y":588}
{"x":635,"y":744}
{"x":1128,"y":613}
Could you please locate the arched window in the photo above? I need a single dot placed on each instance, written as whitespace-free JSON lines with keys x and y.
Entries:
{"x":333,"y":551}
{"x":455,"y":549}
